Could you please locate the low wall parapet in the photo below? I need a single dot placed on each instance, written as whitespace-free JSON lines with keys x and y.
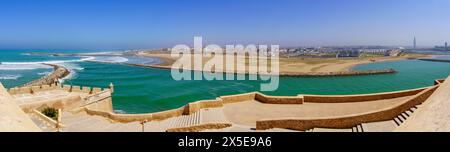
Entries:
{"x":346,"y":121}
{"x":360,"y":97}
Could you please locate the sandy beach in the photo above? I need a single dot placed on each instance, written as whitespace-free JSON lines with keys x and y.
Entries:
{"x":288,"y":66}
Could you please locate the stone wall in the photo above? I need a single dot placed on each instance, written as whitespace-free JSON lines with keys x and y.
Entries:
{"x":359,"y":98}
{"x":436,"y":82}
{"x":200,"y":127}
{"x":41,"y":88}
{"x":136,"y":117}
{"x":278,"y":99}
{"x":223,"y":100}
{"x":238,"y":98}
{"x":346,"y":121}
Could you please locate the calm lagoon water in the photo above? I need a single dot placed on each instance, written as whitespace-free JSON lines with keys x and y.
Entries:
{"x":140,"y":90}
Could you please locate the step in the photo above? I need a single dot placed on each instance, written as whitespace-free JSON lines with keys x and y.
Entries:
{"x":405,"y":115}
{"x":402,"y":119}
{"x":381,"y":126}
{"x":331,"y":130}
{"x":409,"y":113}
{"x":397,"y":121}
{"x":361,"y":129}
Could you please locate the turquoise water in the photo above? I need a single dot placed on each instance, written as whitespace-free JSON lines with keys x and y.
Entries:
{"x":140,"y":90}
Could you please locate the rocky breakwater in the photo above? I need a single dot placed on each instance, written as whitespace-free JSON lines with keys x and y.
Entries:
{"x":59,"y":72}
{"x":338,"y":73}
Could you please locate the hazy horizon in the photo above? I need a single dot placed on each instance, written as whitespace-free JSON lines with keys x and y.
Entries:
{"x":112,"y":25}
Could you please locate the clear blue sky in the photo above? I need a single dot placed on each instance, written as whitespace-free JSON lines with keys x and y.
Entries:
{"x":122,"y":24}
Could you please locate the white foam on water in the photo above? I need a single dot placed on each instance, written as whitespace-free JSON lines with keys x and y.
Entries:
{"x":10,"y":77}
{"x":36,"y":65}
{"x":119,"y":112}
{"x":44,"y":73}
{"x":109,"y":59}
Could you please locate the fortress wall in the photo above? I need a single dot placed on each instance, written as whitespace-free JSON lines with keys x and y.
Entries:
{"x":137,"y":117}
{"x":200,"y":127}
{"x":238,"y":98}
{"x":436,"y":82}
{"x":278,"y":99}
{"x":359,"y":98}
{"x":76,"y":89}
{"x":203,"y":104}
{"x":103,"y":105}
{"x":346,"y":121}
{"x":221,"y":101}
{"x":96,"y":90}
{"x":68,"y":88}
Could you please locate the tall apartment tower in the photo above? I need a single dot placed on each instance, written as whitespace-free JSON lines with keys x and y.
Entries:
{"x":415,"y":44}
{"x":446,"y":48}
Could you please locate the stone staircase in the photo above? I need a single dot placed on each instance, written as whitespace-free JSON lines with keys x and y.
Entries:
{"x":43,"y":125}
{"x":82,"y":122}
{"x":186,"y":120}
{"x":380,"y":126}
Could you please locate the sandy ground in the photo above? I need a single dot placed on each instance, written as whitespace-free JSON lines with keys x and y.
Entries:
{"x":286,"y":65}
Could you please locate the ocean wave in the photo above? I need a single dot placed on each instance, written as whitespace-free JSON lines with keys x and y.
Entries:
{"x":109,"y":59}
{"x":36,"y":65}
{"x":23,"y":66}
{"x":120,"y":112}
{"x":44,"y":73}
{"x":10,"y":77}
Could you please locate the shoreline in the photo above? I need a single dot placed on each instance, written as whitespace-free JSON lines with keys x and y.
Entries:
{"x":58,"y":73}
{"x":330,"y":67}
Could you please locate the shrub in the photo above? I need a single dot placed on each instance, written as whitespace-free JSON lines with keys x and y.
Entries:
{"x":50,"y":112}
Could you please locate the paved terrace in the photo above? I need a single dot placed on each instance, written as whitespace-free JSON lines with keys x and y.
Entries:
{"x":46,"y":95}
{"x":248,"y":112}
{"x":242,"y":115}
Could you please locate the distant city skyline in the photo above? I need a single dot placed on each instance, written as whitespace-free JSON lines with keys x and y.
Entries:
{"x":115,"y":24}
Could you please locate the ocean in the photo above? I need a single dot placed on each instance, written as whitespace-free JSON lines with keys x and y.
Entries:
{"x":143,"y":90}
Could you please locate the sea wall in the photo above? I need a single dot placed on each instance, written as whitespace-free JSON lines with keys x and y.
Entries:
{"x":291,"y":74}
{"x":338,"y":73}
{"x":435,"y":60}
{"x":346,"y":121}
{"x":59,"y":72}
{"x":360,"y":97}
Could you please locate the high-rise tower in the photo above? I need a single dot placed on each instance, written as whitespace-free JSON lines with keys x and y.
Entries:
{"x":414,"y":45}
{"x":446,"y":48}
